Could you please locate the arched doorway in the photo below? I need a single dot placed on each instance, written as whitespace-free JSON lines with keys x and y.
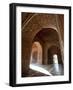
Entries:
{"x":36,"y":53}
{"x":55,"y":60}
{"x":54,"y":52}
{"x":36,"y":60}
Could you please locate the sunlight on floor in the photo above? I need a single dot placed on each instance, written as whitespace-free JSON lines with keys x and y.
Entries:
{"x":39,"y":69}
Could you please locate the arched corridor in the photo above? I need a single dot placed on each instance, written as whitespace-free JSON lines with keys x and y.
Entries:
{"x":43,"y":45}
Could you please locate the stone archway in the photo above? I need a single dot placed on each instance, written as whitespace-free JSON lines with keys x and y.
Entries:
{"x":47,"y":37}
{"x":54,"y":50}
{"x":36,"y":53}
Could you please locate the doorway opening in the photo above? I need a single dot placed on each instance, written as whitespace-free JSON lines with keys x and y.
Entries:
{"x":36,"y":53}
{"x":36,"y":59}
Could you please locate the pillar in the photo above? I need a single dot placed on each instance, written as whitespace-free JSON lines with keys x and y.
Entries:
{"x":26,"y":54}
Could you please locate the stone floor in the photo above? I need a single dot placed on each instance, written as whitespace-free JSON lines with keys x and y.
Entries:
{"x":33,"y":73}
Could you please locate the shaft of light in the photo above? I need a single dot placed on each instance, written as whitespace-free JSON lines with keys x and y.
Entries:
{"x":55,"y":60}
{"x":39,"y":69}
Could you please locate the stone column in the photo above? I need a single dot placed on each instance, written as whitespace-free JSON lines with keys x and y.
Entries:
{"x":45,"y":59}
{"x":26,"y":55}
{"x":60,"y":39}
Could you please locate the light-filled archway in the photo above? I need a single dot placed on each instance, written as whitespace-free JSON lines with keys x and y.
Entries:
{"x":36,"y":53}
{"x":54,"y":55}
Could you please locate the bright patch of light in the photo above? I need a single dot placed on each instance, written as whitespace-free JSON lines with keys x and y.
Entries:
{"x":39,"y":69}
{"x":55,"y":60}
